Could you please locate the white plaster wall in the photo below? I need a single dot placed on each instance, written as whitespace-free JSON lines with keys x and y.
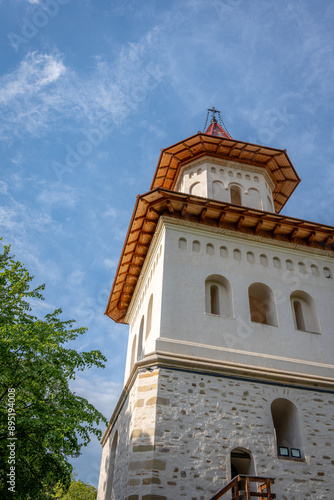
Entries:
{"x":212,"y":178}
{"x":187,"y":329}
{"x":150,"y":282}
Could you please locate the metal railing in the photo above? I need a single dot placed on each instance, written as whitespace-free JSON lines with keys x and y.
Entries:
{"x":241,"y":488}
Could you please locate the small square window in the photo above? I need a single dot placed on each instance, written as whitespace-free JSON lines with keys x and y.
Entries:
{"x":295,"y":453}
{"x":283,"y":451}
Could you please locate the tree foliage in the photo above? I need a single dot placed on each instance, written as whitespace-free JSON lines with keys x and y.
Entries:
{"x":50,"y":422}
{"x":78,"y":490}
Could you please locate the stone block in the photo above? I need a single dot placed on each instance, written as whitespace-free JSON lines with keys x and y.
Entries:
{"x":144,"y":447}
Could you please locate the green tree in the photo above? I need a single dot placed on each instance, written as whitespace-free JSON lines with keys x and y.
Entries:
{"x":78,"y":490}
{"x":50,"y":423}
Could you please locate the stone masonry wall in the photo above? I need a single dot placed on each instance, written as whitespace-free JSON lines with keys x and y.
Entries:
{"x":206,"y":417}
{"x":135,"y":426}
{"x":177,"y":430}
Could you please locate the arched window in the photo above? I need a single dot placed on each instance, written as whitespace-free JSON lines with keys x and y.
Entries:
{"x":149,"y":316}
{"x":111,"y":468}
{"x":214,"y":300}
{"x":133,"y":352}
{"x":304,"y":312}
{"x":183,"y":244}
{"x":262,"y":304}
{"x":235,"y":195}
{"x":287,"y":429}
{"x":299,"y":316}
{"x":140,"y":339}
{"x":218,"y":296}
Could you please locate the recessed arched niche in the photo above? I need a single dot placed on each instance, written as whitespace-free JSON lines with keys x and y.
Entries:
{"x":140,"y":339}
{"x":253,"y":199}
{"x":262,"y":304}
{"x":133,"y":352}
{"x":304,"y":312}
{"x":250,"y":257}
{"x":182,"y":244}
{"x":218,"y":296}
{"x":149,"y":316}
{"x":196,"y":189}
{"x":218,"y":190}
{"x":235,"y":193}
{"x":111,"y":467}
{"x":288,"y":434}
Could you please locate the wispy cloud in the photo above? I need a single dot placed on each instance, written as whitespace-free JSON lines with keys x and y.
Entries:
{"x":19,"y":218}
{"x":3,"y":187}
{"x":34,"y":73}
{"x":42,"y":91}
{"x":95,"y":387}
{"x":75,"y":279}
{"x":55,"y":195}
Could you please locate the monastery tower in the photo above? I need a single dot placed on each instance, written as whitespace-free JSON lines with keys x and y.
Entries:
{"x":230,"y":362}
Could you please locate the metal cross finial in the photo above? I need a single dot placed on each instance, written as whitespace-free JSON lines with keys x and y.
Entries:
{"x":213,"y":110}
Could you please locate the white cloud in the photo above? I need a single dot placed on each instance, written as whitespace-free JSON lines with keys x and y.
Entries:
{"x":43,"y":92}
{"x":3,"y":187}
{"x":110,"y":212}
{"x":75,"y":279}
{"x":58,"y":195}
{"x":34,"y":73}
{"x":99,"y":391}
{"x":19,"y":218}
{"x":110,"y":263}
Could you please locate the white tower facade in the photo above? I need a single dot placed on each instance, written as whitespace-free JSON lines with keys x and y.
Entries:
{"x":230,"y":356}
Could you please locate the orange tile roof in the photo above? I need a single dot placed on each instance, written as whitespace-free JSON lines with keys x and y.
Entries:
{"x":211,"y":213}
{"x":275,"y":161}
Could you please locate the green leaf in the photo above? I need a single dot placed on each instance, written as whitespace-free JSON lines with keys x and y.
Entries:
{"x":51,"y":422}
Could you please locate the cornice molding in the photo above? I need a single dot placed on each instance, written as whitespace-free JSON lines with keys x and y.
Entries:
{"x":212,"y":215}
{"x":158,"y":359}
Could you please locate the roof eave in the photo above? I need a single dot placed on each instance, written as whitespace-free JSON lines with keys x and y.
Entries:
{"x":152,"y":205}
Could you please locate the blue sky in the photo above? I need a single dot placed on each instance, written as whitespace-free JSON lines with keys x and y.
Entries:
{"x":90,"y":91}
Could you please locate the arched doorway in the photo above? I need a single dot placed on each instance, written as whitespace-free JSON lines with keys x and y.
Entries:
{"x":241,"y":462}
